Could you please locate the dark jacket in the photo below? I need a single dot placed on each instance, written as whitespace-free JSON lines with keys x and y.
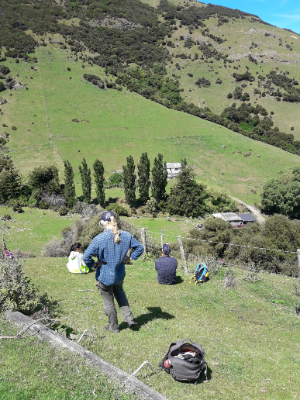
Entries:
{"x":166,"y":270}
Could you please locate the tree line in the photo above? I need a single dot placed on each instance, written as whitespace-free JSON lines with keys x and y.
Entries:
{"x":46,"y":179}
{"x":43,"y":188}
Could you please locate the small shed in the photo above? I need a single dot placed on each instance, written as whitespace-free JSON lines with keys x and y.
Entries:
{"x":247,"y":218}
{"x":173,"y":169}
{"x":232,"y":218}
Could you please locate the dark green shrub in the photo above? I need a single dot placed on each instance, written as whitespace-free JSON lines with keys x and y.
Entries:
{"x":116,"y":179}
{"x":13,"y":128}
{"x":32,"y":202}
{"x":43,"y":205}
{"x":45,"y":178}
{"x":63,"y":211}
{"x":95,"y":80}
{"x":118,"y":208}
{"x":17,"y":207}
{"x":4,"y":70}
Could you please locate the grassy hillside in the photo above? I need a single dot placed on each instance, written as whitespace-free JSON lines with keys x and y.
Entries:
{"x":32,"y":369}
{"x":273,"y":48}
{"x":31,"y":230}
{"x":250,"y":341}
{"x":115,"y":124}
{"x":239,"y":36}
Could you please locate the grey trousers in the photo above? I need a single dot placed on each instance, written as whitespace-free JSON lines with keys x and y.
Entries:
{"x":108,"y":293}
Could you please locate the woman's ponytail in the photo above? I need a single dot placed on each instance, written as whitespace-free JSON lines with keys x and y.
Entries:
{"x":114,"y":229}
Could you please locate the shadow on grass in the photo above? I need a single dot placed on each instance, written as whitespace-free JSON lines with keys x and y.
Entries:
{"x":155,"y":313}
{"x":178,"y":280}
{"x":202,"y":377}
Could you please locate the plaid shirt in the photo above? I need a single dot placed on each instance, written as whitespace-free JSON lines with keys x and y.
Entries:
{"x":106,"y":250}
{"x":166,"y":270}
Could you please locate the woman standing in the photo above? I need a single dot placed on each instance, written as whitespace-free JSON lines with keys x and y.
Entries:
{"x":111,"y":247}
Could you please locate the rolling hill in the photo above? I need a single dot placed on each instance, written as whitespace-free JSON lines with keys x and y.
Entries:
{"x":63,"y":116}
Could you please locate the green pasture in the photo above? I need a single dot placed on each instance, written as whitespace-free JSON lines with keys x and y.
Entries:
{"x":31,"y":369}
{"x":251,"y":342}
{"x":171,"y":228}
{"x":34,"y":228}
{"x":31,"y":230}
{"x":116,"y":124}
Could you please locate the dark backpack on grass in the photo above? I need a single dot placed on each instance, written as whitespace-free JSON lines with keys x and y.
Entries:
{"x":184,"y":364}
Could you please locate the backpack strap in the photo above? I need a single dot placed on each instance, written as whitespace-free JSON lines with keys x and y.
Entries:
{"x":198,"y":267}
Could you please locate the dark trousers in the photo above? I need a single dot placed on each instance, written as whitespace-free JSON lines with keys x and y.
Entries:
{"x":108,"y":294}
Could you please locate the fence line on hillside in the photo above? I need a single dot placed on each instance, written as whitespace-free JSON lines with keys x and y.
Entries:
{"x":229,"y":244}
{"x":184,"y":260}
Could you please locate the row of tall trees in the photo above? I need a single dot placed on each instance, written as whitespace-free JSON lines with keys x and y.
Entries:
{"x":142,"y":180}
{"x":86,"y":182}
{"x":46,"y":180}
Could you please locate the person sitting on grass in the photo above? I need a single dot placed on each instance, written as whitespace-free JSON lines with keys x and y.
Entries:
{"x":166,"y":267}
{"x":76,"y":265}
{"x":111,"y":247}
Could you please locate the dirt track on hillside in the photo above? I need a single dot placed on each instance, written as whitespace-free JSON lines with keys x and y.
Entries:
{"x":252,"y":209}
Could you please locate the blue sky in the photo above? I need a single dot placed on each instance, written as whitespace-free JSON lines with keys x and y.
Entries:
{"x":281,"y":13}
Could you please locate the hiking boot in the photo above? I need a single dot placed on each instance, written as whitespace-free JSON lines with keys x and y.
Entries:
{"x":110,"y":329}
{"x":132,"y":323}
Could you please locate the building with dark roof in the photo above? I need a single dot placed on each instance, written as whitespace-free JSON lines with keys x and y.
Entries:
{"x":247,"y":218}
{"x":234,"y":219}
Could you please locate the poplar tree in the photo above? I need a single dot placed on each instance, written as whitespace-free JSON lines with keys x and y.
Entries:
{"x":86,"y":181}
{"x":99,"y":181}
{"x":144,"y":177}
{"x":159,"y":178}
{"x":69,"y":191}
{"x":129,"y":181}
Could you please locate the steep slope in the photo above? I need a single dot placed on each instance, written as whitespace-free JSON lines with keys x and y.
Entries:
{"x":245,"y":43}
{"x":111,"y":124}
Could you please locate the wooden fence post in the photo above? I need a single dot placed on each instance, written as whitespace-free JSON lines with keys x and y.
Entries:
{"x":298,"y":254}
{"x":143,"y":234}
{"x":182,"y":255}
{"x":162,"y":237}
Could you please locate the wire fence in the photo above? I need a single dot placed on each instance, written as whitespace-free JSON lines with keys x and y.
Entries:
{"x":191,"y":257}
{"x":227,"y":244}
